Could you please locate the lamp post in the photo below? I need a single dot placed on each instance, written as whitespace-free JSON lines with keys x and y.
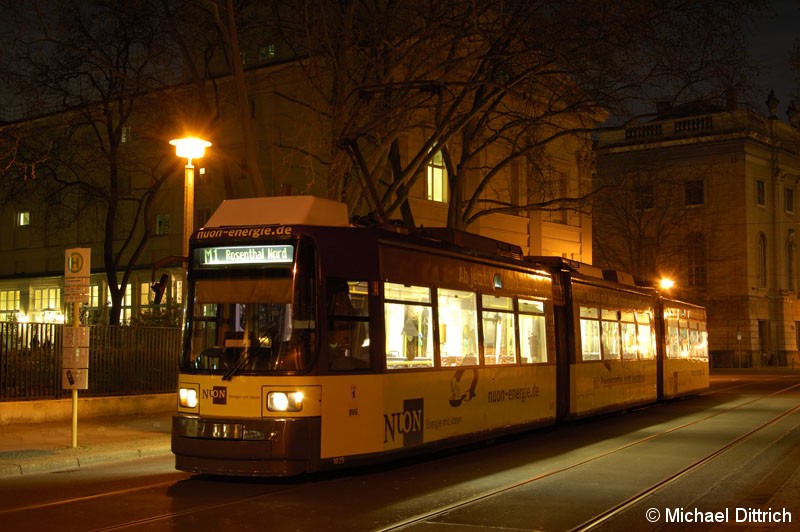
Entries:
{"x":188,"y":148}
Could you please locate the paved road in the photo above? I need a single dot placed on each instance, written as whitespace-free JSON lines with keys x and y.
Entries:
{"x":704,"y":459}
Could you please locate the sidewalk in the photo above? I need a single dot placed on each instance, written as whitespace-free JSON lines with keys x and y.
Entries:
{"x":29,"y":448}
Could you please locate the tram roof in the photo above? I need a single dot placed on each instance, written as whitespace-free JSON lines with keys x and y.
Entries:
{"x":279,"y":210}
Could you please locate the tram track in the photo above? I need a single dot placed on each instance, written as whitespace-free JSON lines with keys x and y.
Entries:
{"x":84,"y":498}
{"x":630,"y":502}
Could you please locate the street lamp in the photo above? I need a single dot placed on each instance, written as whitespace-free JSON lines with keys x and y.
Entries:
{"x":666,"y":283}
{"x":188,"y":148}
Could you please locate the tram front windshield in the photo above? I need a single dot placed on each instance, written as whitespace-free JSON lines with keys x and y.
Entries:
{"x":259,"y":323}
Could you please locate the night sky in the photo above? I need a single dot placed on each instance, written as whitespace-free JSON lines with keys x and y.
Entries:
{"x":771,"y":43}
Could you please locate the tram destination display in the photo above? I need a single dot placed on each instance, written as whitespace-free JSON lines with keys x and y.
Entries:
{"x":243,"y":255}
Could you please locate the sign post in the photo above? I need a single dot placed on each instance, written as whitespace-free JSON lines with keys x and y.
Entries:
{"x":75,"y":358}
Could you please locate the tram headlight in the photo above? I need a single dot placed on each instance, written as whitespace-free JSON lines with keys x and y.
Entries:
{"x":187,"y":397}
{"x":285,"y":401}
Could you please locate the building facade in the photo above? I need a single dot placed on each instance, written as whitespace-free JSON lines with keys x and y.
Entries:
{"x":709,"y":197}
{"x":288,"y":137}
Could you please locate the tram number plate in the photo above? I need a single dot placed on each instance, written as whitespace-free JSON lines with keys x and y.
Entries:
{"x":339,"y":460}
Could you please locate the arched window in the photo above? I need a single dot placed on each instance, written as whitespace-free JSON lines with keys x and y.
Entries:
{"x":761,"y":261}
{"x":697,"y":261}
{"x":437,"y":178}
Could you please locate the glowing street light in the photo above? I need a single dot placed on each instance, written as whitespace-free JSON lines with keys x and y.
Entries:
{"x":188,"y":148}
{"x":666,"y":283}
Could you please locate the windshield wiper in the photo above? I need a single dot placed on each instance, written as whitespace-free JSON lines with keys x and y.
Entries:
{"x":243,"y":359}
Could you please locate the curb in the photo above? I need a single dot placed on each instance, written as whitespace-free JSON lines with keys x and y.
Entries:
{"x":34,"y":466}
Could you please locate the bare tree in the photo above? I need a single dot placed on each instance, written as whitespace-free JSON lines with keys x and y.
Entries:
{"x":94,"y":64}
{"x":640,"y":226}
{"x":490,"y":85}
{"x":20,"y":154}
{"x":206,"y":35}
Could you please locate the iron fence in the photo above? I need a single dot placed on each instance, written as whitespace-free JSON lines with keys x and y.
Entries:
{"x":122,"y":360}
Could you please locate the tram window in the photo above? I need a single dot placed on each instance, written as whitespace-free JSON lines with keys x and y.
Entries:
{"x":531,"y":307}
{"x":610,"y":331}
{"x":252,"y":326}
{"x":499,"y":336}
{"x":348,"y":325}
{"x":630,"y":345}
{"x":673,"y":339}
{"x":532,"y":332}
{"x":646,"y":339}
{"x":401,"y":292}
{"x":458,"y":327}
{"x":698,"y":338}
{"x":693,"y":343}
{"x":702,"y":346}
{"x":684,"y":338}
{"x":409,"y":342}
{"x":590,"y":333}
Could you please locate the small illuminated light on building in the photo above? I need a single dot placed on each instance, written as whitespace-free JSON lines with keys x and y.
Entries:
{"x":666,"y":284}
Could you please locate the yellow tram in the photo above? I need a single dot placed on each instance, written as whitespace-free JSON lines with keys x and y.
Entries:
{"x":311,"y":344}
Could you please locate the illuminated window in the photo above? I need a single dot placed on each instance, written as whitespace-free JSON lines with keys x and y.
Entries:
{"x":46,"y":299}
{"x":532,"y":332}
{"x":610,"y":334}
{"x":687,"y":339}
{"x":94,"y":296}
{"x":437,"y":178}
{"x":458,"y":327}
{"x":177,"y":291}
{"x":9,"y":304}
{"x":23,"y":219}
{"x":499,"y":335}
{"x":127,"y":305}
{"x":646,"y":340}
{"x":590,"y":333}
{"x":631,"y":341}
{"x":144,"y":294}
{"x":409,"y":338}
{"x":616,"y":334}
